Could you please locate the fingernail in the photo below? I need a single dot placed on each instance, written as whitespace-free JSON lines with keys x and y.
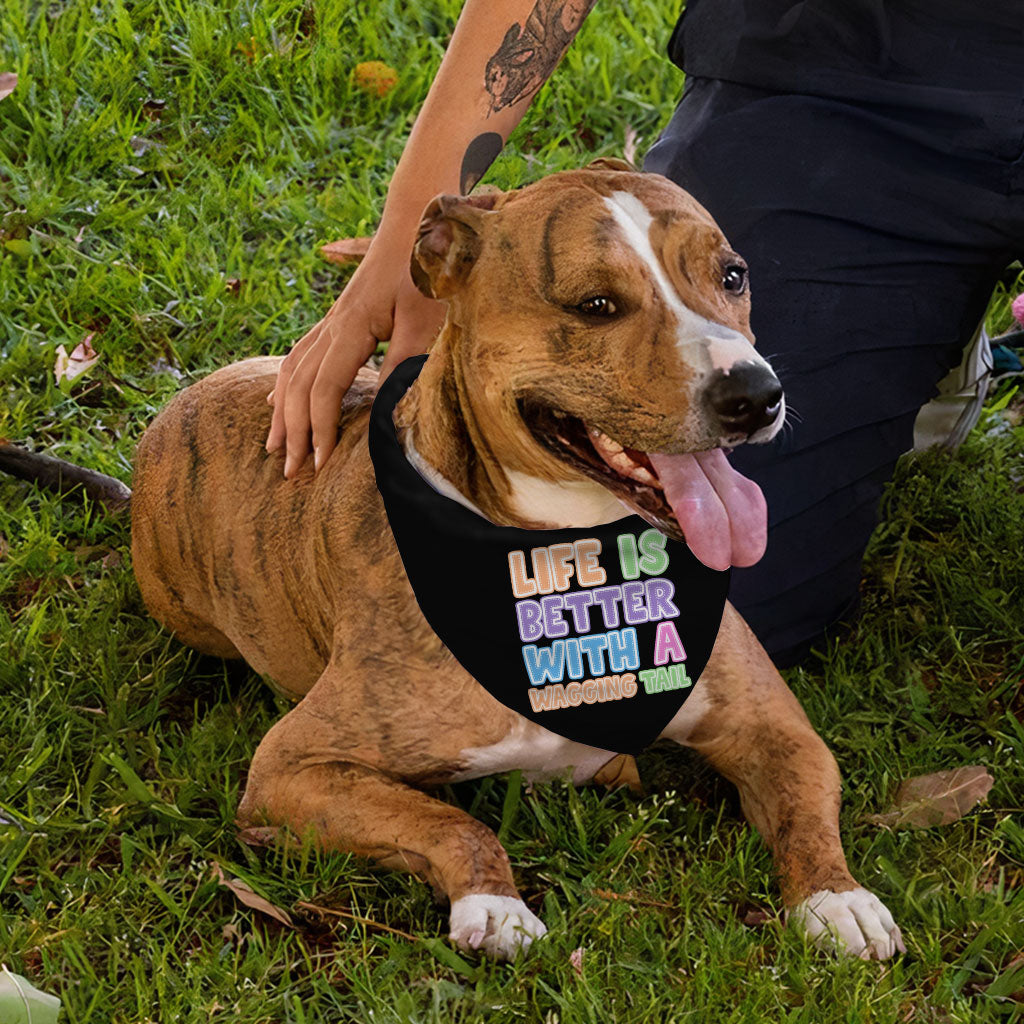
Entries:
{"x":289,"y":466}
{"x":317,"y":460}
{"x":270,"y":398}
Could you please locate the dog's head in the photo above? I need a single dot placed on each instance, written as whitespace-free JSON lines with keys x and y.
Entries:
{"x":600,"y":325}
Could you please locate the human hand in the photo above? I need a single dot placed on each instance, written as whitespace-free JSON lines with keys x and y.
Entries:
{"x":380,"y":303}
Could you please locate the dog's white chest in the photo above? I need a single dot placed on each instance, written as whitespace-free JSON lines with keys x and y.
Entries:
{"x":539,"y":753}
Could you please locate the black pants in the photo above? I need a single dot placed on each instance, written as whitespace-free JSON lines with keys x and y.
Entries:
{"x":874,"y":236}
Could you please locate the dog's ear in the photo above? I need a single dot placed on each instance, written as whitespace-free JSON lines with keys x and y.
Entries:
{"x":610,"y":163}
{"x":449,"y":241}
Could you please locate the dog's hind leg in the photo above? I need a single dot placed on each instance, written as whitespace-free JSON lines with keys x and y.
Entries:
{"x":299,"y":779}
{"x":750,"y":727}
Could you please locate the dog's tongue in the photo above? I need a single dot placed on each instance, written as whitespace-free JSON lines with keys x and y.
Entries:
{"x":722,"y":514}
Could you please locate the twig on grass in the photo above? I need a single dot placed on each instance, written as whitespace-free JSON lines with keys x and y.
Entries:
{"x":607,"y":894}
{"x":60,"y":477}
{"x":349,"y":916}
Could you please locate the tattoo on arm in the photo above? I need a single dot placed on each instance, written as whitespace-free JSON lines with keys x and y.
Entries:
{"x":527,"y":56}
{"x":480,"y":154}
{"x":529,"y":52}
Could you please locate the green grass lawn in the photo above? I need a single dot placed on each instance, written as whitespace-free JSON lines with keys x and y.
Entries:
{"x":167,"y":170}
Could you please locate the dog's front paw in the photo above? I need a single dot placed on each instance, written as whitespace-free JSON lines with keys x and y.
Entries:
{"x":855,"y":922}
{"x":499,"y":925}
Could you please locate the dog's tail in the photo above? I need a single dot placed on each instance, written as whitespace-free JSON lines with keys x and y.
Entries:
{"x":62,"y":477}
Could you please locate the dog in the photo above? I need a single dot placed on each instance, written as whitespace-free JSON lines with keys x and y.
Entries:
{"x":598,"y":329}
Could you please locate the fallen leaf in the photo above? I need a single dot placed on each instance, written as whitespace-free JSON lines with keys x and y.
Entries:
{"x":259,"y":835}
{"x":346,"y":250}
{"x":576,"y":961}
{"x":8,"y":80}
{"x":112,"y":560}
{"x":936,"y":799}
{"x":375,"y":76}
{"x":249,"y":50}
{"x":629,"y":150}
{"x":68,"y":367}
{"x":755,"y":917}
{"x":22,"y":1003}
{"x":244,"y":894}
{"x":232,"y":285}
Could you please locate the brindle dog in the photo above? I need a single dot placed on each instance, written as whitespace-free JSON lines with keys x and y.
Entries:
{"x":531,"y":395}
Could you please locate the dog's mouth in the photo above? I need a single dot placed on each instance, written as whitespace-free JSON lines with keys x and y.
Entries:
{"x":626,"y":472}
{"x":697,"y":498}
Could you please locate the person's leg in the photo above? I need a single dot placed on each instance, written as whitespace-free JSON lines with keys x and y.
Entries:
{"x":873,"y":249}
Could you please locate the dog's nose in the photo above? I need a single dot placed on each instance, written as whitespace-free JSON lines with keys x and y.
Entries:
{"x":745,"y":399}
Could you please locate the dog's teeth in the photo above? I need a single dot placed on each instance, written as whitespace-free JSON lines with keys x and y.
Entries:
{"x":615,"y":456}
{"x":644,"y":476}
{"x":603,"y":443}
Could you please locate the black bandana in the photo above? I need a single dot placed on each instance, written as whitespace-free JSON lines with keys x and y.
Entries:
{"x":598,"y":634}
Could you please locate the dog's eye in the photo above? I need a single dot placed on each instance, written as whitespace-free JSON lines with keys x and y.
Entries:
{"x":734,"y":278}
{"x":597,"y":305}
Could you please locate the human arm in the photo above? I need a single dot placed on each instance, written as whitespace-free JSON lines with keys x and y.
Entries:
{"x":499,"y":56}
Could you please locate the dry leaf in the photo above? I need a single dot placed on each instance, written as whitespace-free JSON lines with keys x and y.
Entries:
{"x":346,"y":250}
{"x":68,"y":367}
{"x":259,"y":835}
{"x":61,"y":364}
{"x":249,"y":50}
{"x":375,"y":76}
{"x":576,"y":960}
{"x":112,"y":560}
{"x":232,"y":286}
{"x":8,"y":80}
{"x":629,"y":150}
{"x":936,"y":799}
{"x":755,"y":917}
{"x":244,"y":894}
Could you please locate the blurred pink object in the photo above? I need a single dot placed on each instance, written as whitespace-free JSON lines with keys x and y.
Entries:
{"x":1018,"y":308}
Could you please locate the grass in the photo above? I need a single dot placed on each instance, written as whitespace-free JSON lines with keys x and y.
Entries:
{"x":167,"y":169}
